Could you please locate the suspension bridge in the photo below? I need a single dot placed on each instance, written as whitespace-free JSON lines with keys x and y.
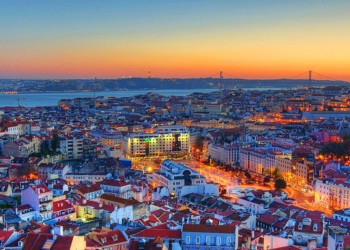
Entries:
{"x":224,"y":80}
{"x":309,"y":78}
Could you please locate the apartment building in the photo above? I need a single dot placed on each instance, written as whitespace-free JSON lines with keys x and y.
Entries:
{"x":228,"y":154}
{"x":71,"y":147}
{"x":166,"y":140}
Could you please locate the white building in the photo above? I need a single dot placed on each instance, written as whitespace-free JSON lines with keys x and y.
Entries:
{"x":26,"y":213}
{"x":261,"y":160}
{"x":117,"y":187}
{"x":71,"y":147}
{"x":253,"y":160}
{"x":40,"y":199}
{"x":253,"y":205}
{"x":203,"y":189}
{"x":166,"y":140}
{"x":19,"y":129}
{"x":77,"y":178}
{"x":228,"y":154}
{"x":284,"y":166}
{"x":174,"y":175}
{"x":307,"y":229}
{"x":332,"y":193}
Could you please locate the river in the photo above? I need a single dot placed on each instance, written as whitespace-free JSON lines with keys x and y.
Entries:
{"x":51,"y":99}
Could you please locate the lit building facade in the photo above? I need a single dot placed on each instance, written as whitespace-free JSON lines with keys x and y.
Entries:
{"x":166,"y":140}
{"x":334,"y":194}
{"x":284,"y":166}
{"x":174,"y":176}
{"x":228,"y":154}
{"x":261,"y":160}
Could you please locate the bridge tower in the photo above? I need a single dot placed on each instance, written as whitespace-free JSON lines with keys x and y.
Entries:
{"x":310,"y":79}
{"x":221,"y":76}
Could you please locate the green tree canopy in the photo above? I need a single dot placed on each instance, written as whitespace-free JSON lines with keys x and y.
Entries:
{"x":280,"y":184}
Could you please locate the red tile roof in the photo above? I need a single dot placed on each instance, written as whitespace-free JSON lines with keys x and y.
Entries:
{"x":85,"y":189}
{"x":116,"y":199}
{"x":161,"y":230}
{"x":200,"y":228}
{"x":61,"y":205}
{"x":22,"y":207}
{"x":96,"y":205}
{"x":100,"y":238}
{"x":41,"y":189}
{"x":37,"y":241}
{"x":114,"y":183}
{"x":5,"y":235}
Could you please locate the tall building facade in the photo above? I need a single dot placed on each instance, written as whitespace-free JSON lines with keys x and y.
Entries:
{"x":166,"y":140}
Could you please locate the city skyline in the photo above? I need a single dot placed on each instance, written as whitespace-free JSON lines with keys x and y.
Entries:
{"x":109,"y":39}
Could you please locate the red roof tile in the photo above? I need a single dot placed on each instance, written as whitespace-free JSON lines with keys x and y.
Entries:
{"x":200,"y":228}
{"x":161,"y":230}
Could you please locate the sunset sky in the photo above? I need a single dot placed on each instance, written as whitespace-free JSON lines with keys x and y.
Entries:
{"x":174,"y":38}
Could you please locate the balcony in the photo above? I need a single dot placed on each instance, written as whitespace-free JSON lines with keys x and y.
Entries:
{"x":43,"y":201}
{"x":43,"y":209}
{"x":64,"y":213}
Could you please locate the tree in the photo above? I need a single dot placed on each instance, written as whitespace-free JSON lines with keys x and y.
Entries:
{"x":276,"y":174}
{"x":55,"y":142}
{"x":266,"y":179}
{"x":280,"y":184}
{"x":247,"y":174}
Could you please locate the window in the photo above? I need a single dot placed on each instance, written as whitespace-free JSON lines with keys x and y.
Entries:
{"x":188,"y":239}
{"x":218,"y":240}
{"x":228,"y":240}
{"x":207,"y":240}
{"x":198,"y":240}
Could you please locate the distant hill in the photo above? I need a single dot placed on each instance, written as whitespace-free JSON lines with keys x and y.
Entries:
{"x":153,"y":83}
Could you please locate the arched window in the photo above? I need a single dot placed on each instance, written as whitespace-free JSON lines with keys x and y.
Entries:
{"x":218,"y":240}
{"x":207,"y":240}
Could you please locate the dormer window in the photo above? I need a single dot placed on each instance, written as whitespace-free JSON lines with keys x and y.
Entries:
{"x":315,"y":227}
{"x":300,"y":226}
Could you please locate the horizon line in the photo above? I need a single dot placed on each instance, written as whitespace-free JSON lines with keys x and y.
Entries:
{"x":169,"y":78}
